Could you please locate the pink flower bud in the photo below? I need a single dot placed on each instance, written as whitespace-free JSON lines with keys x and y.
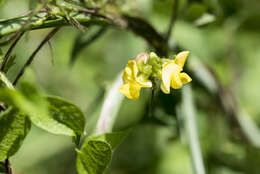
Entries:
{"x":142,"y":57}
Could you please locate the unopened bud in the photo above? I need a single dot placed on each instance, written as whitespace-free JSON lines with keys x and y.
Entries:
{"x":153,"y":55}
{"x":142,"y":57}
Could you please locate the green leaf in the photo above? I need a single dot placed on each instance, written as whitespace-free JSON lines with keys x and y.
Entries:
{"x":67,"y":113}
{"x":57,"y":116}
{"x":13,"y":130}
{"x":95,"y":155}
{"x":51,"y":114}
{"x":12,"y":97}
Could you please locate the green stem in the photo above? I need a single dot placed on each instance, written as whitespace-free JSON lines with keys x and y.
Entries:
{"x":86,"y":18}
{"x":9,"y":51}
{"x":31,"y":58}
{"x":110,"y":108}
{"x":188,"y":111}
{"x":42,"y":20}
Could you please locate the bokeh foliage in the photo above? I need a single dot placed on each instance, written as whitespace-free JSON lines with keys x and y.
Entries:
{"x":223,"y":38}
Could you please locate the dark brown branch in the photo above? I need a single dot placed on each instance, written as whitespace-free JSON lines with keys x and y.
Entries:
{"x":145,"y":30}
{"x":9,"y":51}
{"x":80,"y":44}
{"x":29,"y":61}
{"x":8,"y":167}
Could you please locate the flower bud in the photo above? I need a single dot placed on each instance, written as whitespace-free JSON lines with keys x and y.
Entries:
{"x":142,"y":57}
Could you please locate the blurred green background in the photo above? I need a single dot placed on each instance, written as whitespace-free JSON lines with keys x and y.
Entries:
{"x":225,"y":34}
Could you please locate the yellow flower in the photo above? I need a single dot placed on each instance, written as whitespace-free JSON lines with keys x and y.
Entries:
{"x":172,"y":75}
{"x":133,"y":81}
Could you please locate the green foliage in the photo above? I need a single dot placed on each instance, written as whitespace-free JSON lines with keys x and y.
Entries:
{"x":2,"y":168}
{"x":223,"y":39}
{"x":2,"y":2}
{"x":81,"y":44}
{"x":5,"y":82}
{"x":195,"y":11}
{"x":13,"y":130}
{"x":189,"y":37}
{"x":28,"y":103}
{"x":95,"y":154}
{"x":66,"y":113}
{"x":61,"y":117}
{"x":32,"y":4}
{"x":51,"y":114}
{"x":9,"y":64}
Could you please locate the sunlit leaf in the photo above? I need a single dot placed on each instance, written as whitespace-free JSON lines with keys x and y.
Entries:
{"x":67,"y":113}
{"x":51,"y":114}
{"x":95,"y":155}
{"x":14,"y":128}
{"x":58,"y":116}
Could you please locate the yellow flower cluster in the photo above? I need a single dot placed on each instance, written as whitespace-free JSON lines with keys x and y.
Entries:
{"x":139,"y":72}
{"x":133,"y":82}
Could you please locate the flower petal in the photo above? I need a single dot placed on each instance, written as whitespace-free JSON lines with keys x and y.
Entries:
{"x":130,"y":90}
{"x":142,"y":57}
{"x":143,"y":81}
{"x":170,"y":72}
{"x":132,"y":64}
{"x":176,"y":82}
{"x":164,"y":89}
{"x":181,"y":58}
{"x":185,"y":78}
{"x":130,"y":72}
{"x":135,"y":91}
{"x":124,"y":89}
{"x":127,"y":75}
